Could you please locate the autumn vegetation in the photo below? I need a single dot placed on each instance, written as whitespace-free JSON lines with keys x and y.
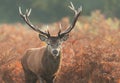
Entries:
{"x":90,"y":55}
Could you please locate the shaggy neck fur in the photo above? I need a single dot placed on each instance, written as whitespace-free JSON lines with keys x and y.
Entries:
{"x":50,"y":64}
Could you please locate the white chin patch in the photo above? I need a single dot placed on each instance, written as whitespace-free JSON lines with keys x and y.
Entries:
{"x":55,"y":55}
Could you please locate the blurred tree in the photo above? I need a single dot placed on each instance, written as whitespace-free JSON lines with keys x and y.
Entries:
{"x":53,"y":10}
{"x":112,"y":8}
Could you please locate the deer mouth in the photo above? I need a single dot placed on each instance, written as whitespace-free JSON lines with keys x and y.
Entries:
{"x":55,"y":55}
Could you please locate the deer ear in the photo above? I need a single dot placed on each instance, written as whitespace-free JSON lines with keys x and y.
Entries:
{"x":43,"y":38}
{"x":65,"y":37}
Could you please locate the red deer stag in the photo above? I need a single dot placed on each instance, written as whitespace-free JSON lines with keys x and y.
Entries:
{"x":42,"y":63}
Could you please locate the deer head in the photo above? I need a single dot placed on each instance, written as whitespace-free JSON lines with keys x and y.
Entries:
{"x":53,"y":42}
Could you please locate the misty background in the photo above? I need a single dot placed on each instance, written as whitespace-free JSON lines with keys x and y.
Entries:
{"x":48,"y":11}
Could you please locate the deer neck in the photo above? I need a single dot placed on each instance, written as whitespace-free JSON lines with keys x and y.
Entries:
{"x":50,"y":64}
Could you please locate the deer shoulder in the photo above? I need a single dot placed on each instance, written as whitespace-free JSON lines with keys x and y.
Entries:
{"x":33,"y":57}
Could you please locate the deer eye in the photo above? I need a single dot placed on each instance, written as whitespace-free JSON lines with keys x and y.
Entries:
{"x":48,"y":43}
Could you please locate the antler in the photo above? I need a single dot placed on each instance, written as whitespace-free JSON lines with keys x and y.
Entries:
{"x":26,"y":19}
{"x":77,"y":13}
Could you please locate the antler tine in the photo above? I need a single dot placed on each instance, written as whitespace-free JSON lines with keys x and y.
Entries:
{"x":48,"y":31}
{"x":20,"y":12}
{"x":77,"y":13}
{"x":60,"y":25}
{"x":26,"y":19}
{"x":28,"y":12}
{"x":72,"y":7}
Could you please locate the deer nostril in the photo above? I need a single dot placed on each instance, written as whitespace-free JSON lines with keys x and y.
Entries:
{"x":55,"y":52}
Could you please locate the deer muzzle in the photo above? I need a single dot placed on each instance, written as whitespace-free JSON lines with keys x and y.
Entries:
{"x":55,"y":52}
